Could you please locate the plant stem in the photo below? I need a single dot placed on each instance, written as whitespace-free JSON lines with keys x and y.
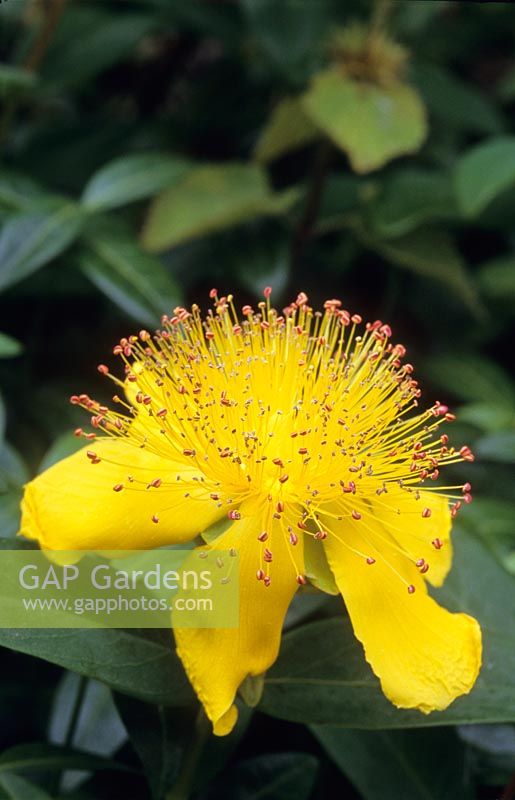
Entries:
{"x":313,"y":199}
{"x":77,"y":706}
{"x":184,"y":784}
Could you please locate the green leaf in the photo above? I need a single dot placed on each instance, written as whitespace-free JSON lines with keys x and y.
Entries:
{"x":337,"y":687}
{"x":455,"y":103}
{"x":432,"y":254}
{"x":497,"y":447}
{"x":131,"y":178}
{"x":487,"y":416}
{"x":287,"y":129}
{"x":88,"y":40}
{"x":342,"y":194}
{"x":273,"y":776}
{"x":317,"y":567}
{"x":496,"y":278}
{"x":9,"y":347}
{"x":143,"y":666}
{"x":136,"y":281}
{"x":403,"y":762}
{"x":15,"y":80}
{"x":17,"y":788}
{"x":17,"y":191}
{"x":210,"y":199}
{"x":372,"y":124}
{"x":410,"y":197}
{"x":484,"y":172}
{"x":30,"y":240}
{"x":53,"y":758}
{"x":472,"y":378}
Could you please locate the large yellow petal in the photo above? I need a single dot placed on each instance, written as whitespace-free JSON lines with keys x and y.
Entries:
{"x":72,"y":506}
{"x":403,"y":515}
{"x":424,"y":656}
{"x":218,"y":660}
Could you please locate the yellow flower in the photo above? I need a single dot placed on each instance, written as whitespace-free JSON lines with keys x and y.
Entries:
{"x":301,"y":430}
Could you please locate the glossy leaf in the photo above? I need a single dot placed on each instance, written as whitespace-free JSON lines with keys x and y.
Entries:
{"x":136,"y":281}
{"x":274,"y":776}
{"x":287,"y":129}
{"x":484,"y":172}
{"x":210,"y":199}
{"x":9,"y":347}
{"x":17,"y":788}
{"x":400,"y":762}
{"x":142,"y":666}
{"x":372,"y":124}
{"x":52,"y":758}
{"x":497,"y":447}
{"x":411,"y":197}
{"x":131,"y":178}
{"x":497,"y":279}
{"x":471,"y":377}
{"x":30,"y":240}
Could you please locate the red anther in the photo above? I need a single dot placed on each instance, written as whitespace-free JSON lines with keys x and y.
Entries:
{"x":267,"y":291}
{"x":155,"y":484}
{"x":118,"y":487}
{"x":277,"y":462}
{"x":352,"y":487}
{"x":162,"y":412}
{"x":95,"y":460}
{"x":444,"y":438}
{"x":280,"y":507}
{"x":301,"y":580}
{"x":466,"y":488}
{"x":213,"y":293}
{"x":424,"y":569}
{"x":283,"y":478}
{"x":267,"y":555}
{"x":341,"y":421}
{"x":74,"y":399}
{"x":260,"y":574}
{"x":417,"y":446}
{"x":103,"y":369}
{"x":267,"y":580}
{"x":293,"y":538}
{"x":370,"y":560}
{"x":303,"y":451}
{"x":437,"y":544}
{"x":144,"y":336}
{"x":386,"y":330}
{"x":302,"y":299}
{"x":434,"y":475}
{"x":210,"y":335}
{"x":188,"y":451}
{"x":321,"y":535}
{"x":233,"y":514}
{"x":301,"y":524}
{"x":440,"y":410}
{"x":423,"y":474}
{"x":90,"y":436}
{"x":450,"y":417}
{"x":293,"y":435}
{"x":411,"y":589}
{"x":426,"y":513}
{"x":139,"y":397}
{"x":91,"y":454}
{"x":263,"y":537}
{"x":132,"y":378}
{"x":420,"y":562}
{"x":154,"y":518}
{"x":467,"y":498}
{"x":356,"y":515}
{"x":237,"y":329}
{"x":246,"y":310}
{"x":127,"y":350}
{"x":466,"y":453}
{"x":147,"y":400}
{"x":356,"y":319}
{"x":78,"y":432}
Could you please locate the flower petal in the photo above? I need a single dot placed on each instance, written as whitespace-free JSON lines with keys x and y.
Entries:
{"x":72,"y":506}
{"x":218,"y":660}
{"x":400,"y":513}
{"x":424,"y":656}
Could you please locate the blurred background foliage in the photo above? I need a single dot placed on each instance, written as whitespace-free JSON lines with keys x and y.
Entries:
{"x":151,"y":149}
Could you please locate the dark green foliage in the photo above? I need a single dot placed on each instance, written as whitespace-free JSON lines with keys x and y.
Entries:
{"x":152,"y":149}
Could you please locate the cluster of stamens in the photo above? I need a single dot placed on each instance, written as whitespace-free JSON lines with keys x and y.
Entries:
{"x":298,"y":408}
